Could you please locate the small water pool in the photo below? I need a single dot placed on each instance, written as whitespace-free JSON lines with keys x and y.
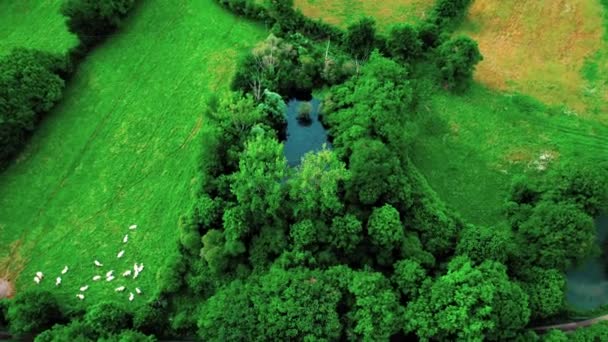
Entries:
{"x":303,"y":138}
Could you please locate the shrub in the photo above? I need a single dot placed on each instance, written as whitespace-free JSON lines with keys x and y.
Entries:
{"x":29,"y":86}
{"x":33,"y":312}
{"x":304,"y":113}
{"x":75,"y":331}
{"x":360,"y":38}
{"x":93,"y":20}
{"x":108,"y":318}
{"x":457,"y":60}
{"x":404,"y":42}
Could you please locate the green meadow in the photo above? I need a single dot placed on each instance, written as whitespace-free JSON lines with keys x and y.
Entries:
{"x":120,"y":149}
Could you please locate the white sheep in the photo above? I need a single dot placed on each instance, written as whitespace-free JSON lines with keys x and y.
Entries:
{"x":39,"y":275}
{"x":84,"y":288}
{"x":110,"y":278}
{"x":96,"y":278}
{"x":37,"y":280}
{"x":137,"y":290}
{"x":119,"y":289}
{"x":120,"y":254}
{"x":126,"y":273}
{"x":131,"y":296}
{"x":65,"y":270}
{"x":57,"y":281}
{"x":125,"y":239}
{"x":80,"y":296}
{"x":133,"y":226}
{"x":135,"y":274}
{"x":97,"y":263}
{"x":141,"y":268}
{"x":109,"y":274}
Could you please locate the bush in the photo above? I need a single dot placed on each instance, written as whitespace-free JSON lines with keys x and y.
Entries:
{"x":457,"y":60}
{"x":360,"y":38}
{"x":404,"y":42}
{"x":93,"y":20}
{"x":75,"y":331}
{"x":33,"y":312}
{"x":30,"y":86}
{"x":108,"y":318}
{"x":304,"y":113}
{"x":447,"y":12}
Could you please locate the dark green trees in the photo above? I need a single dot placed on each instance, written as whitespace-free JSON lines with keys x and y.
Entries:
{"x":404,"y":42}
{"x":30,"y":84}
{"x":469,"y":303}
{"x":360,"y":38}
{"x":93,"y":20}
{"x":456,"y":60}
{"x":33,"y":312}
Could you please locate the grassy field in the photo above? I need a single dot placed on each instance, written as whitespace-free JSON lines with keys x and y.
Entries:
{"x":120,"y":149}
{"x":33,"y":24}
{"x":345,"y":12}
{"x":552,"y":50}
{"x":473,"y":144}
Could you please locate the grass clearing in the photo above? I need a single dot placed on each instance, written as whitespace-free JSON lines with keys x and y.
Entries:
{"x":345,"y":12}
{"x":540,"y":47}
{"x":120,"y":149}
{"x":34,"y":24}
{"x":480,"y":140}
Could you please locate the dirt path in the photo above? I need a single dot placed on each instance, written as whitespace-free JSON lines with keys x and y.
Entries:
{"x":6,"y":288}
{"x":572,"y":325}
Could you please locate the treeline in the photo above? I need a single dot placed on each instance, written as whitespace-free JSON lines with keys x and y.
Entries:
{"x":32,"y":82}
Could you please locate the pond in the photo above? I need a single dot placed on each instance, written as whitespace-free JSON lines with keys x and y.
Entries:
{"x":588,"y":283}
{"x":303,"y":137}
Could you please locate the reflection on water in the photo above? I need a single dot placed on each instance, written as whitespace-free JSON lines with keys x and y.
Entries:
{"x":302,"y":138}
{"x":588,"y":283}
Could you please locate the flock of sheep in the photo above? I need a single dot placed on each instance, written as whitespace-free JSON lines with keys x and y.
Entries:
{"x":137,"y":269}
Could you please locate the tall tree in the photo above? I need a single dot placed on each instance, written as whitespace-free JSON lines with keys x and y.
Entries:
{"x":360,"y":37}
{"x":457,"y":60}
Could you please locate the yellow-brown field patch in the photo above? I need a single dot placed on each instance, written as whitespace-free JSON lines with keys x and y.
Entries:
{"x":345,"y":12}
{"x":536,"y":47}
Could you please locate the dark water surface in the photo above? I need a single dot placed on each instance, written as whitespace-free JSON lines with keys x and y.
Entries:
{"x":588,"y":283}
{"x":303,"y":138}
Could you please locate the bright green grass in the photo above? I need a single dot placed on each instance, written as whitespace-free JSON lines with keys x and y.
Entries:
{"x":120,"y":149}
{"x":33,"y":24}
{"x":483,"y":138}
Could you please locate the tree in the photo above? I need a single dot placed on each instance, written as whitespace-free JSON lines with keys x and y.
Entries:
{"x":469,"y":303}
{"x":385,"y":229}
{"x":376,"y":313}
{"x":559,"y":235}
{"x":275,"y":110}
{"x":346,"y":232}
{"x":33,"y":311}
{"x":129,"y":336}
{"x":257,"y":186}
{"x":583,"y":184}
{"x":30,"y":86}
{"x":404,"y":42}
{"x":360,"y":37}
{"x":376,"y":175}
{"x":76,"y":331}
{"x":108,"y":318}
{"x":483,"y":243}
{"x":456,"y":60}
{"x":546,"y":290}
{"x":409,"y":277}
{"x":93,"y":20}
{"x":316,"y":187}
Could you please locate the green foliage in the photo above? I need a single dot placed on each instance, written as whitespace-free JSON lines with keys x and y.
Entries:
{"x":483,"y":243}
{"x":93,"y":20}
{"x":376,"y":313}
{"x":30,"y":85}
{"x":456,"y":61}
{"x":275,"y":110}
{"x":448,"y":12}
{"x":108,"y":318}
{"x":33,"y":311}
{"x":385,"y":229}
{"x":546,"y":289}
{"x":409,"y":277}
{"x":304,"y":112}
{"x":76,"y":331}
{"x":346,"y":232}
{"x":558,"y":236}
{"x":596,"y":332}
{"x":469,"y":303}
{"x":555,"y":336}
{"x":257,"y":187}
{"x":129,"y":336}
{"x":316,"y":187}
{"x":360,"y":38}
{"x":583,"y":184}
{"x":404,"y":42}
